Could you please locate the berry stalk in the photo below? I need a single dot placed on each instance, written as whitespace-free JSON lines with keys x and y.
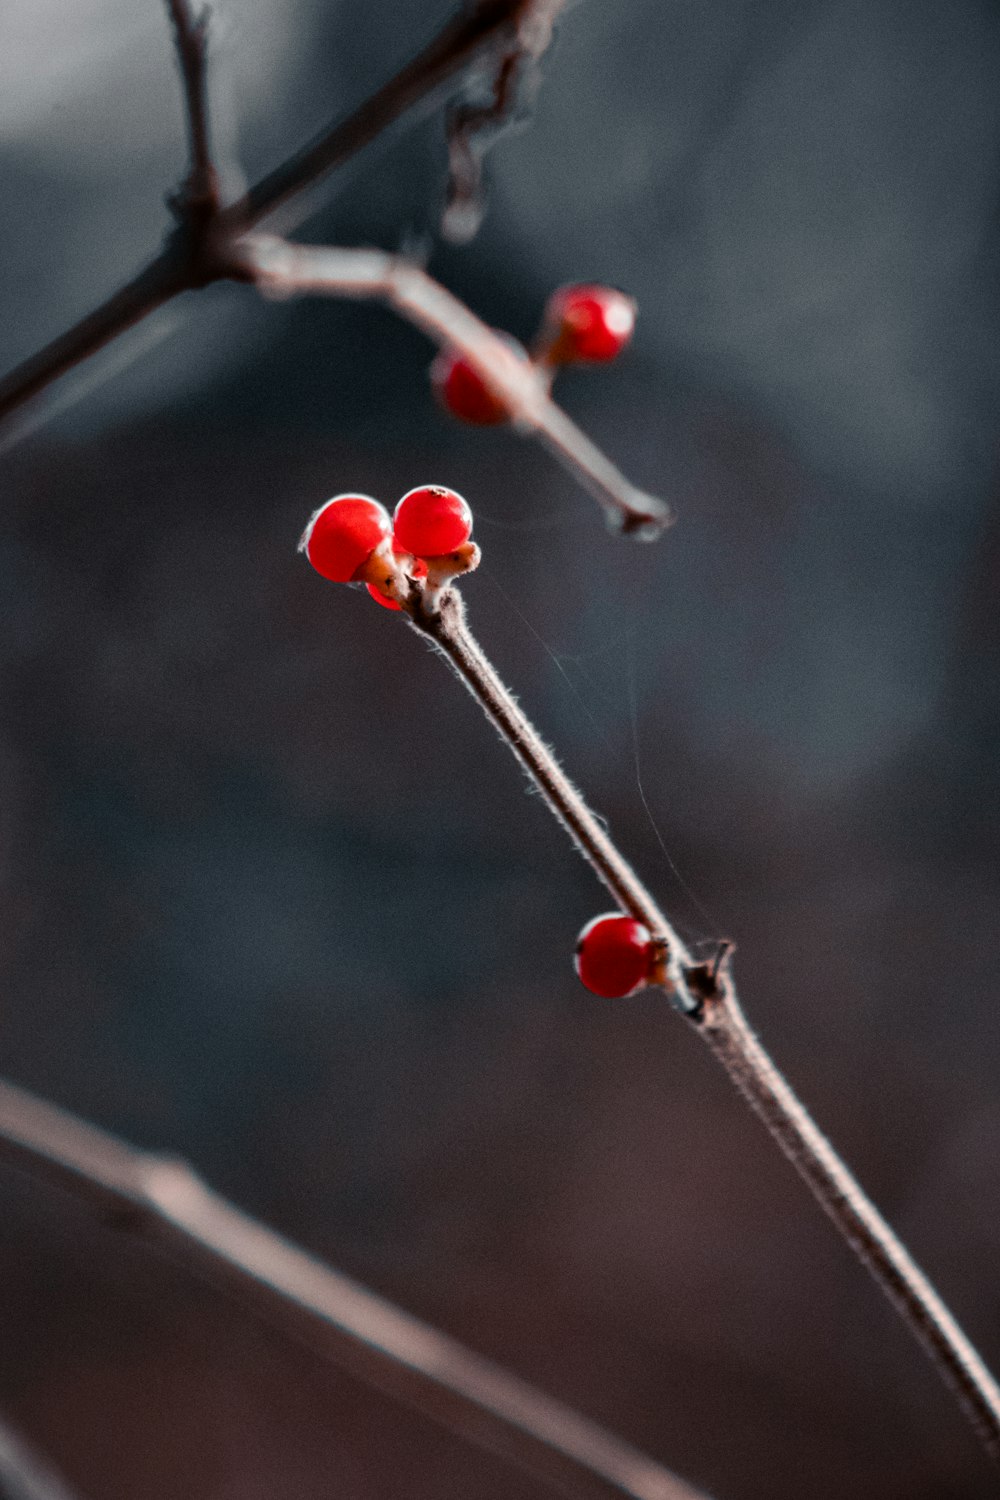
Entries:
{"x":446,"y":627}
{"x":706,"y":995}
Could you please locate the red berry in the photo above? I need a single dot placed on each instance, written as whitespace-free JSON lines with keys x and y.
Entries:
{"x":381,"y":598}
{"x":343,"y":534}
{"x":464,"y":393}
{"x":589,"y":324}
{"x":614,"y":954}
{"x":431,"y":522}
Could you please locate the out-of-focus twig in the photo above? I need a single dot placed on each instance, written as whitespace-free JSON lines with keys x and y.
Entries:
{"x":339,"y":1319}
{"x":197,"y":201}
{"x":210,"y":243}
{"x":706,"y":995}
{"x":282,"y":268}
{"x":499,"y":101}
{"x":24,"y":1475}
{"x":478,"y":31}
{"x":187,"y":260}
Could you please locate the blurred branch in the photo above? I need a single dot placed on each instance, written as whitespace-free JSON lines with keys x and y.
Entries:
{"x":477,"y":31}
{"x":281,"y":268}
{"x":706,"y":996}
{"x":337,"y":1318}
{"x":473,"y":127}
{"x":210,"y":243}
{"x":193,"y":254}
{"x":198,"y":198}
{"x":23,"y":1474}
{"x":162,"y":280}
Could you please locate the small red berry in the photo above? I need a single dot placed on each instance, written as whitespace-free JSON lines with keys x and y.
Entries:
{"x":381,"y":598}
{"x":343,"y":534}
{"x":464,"y":393}
{"x":588,"y":324}
{"x":614,"y":955}
{"x":431,"y":521}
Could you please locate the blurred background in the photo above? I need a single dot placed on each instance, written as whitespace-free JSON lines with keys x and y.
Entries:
{"x":273,"y":894}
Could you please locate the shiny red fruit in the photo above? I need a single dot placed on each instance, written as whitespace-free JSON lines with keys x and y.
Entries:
{"x":462,"y":391}
{"x":381,"y":598}
{"x":614,"y":954}
{"x":588,"y":324}
{"x":343,"y":534}
{"x":431,"y":522}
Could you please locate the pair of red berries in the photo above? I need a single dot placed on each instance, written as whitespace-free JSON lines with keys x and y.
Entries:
{"x":351,"y":535}
{"x":617,"y":955}
{"x":581,"y":325}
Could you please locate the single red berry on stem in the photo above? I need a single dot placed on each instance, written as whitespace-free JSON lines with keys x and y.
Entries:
{"x":464,"y":393}
{"x":586,"y":324}
{"x":343,"y":534}
{"x":431,"y":521}
{"x":614,"y":955}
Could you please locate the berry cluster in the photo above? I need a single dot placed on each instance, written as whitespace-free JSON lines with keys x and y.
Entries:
{"x":580,"y":325}
{"x":617,"y":955}
{"x":413,"y":553}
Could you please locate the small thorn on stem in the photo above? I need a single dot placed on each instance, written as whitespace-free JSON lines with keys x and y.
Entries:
{"x":707,"y":981}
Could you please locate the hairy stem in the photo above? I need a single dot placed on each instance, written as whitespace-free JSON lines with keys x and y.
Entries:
{"x":336,"y":1317}
{"x":707,"y":997}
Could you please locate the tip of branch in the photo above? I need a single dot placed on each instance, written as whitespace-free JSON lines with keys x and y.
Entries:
{"x":646,"y":519}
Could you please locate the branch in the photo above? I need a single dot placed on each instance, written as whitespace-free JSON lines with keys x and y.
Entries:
{"x":284,"y":269}
{"x":161,"y":281}
{"x":473,"y":126}
{"x":706,"y":996}
{"x":209,"y":244}
{"x":25,"y":1476}
{"x":337,"y":1318}
{"x":477,"y":30}
{"x":187,"y":260}
{"x":197,"y":203}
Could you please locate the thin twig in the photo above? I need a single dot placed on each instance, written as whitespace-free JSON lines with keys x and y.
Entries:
{"x":466,"y":37}
{"x":209,"y":245}
{"x":161,"y":281}
{"x":284,"y":269}
{"x":477,"y":30}
{"x":336,"y":1317}
{"x":198,"y":199}
{"x":24,"y":1475}
{"x":474,"y":125}
{"x":706,"y":995}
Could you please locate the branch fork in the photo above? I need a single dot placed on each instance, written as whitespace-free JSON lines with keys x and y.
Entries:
{"x":215,"y":241}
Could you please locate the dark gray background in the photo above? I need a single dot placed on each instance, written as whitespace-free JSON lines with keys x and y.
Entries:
{"x":273,"y":893}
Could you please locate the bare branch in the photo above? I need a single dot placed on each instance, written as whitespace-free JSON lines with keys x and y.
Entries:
{"x":339,"y":1319}
{"x":474,"y":125}
{"x":706,"y":996}
{"x":187,"y":263}
{"x":23,"y":1474}
{"x":285,"y":269}
{"x":478,"y":29}
{"x":161,"y":281}
{"x":728,"y":1033}
{"x":197,"y":202}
